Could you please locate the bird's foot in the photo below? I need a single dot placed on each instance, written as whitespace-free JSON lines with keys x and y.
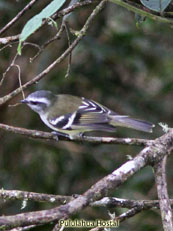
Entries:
{"x":57,"y":134}
{"x":81,"y":135}
{"x":78,"y":136}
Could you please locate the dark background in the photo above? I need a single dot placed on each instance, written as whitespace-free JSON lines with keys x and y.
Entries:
{"x":126,"y":68}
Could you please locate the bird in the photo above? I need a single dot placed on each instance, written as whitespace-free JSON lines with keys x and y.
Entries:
{"x":72,"y":116}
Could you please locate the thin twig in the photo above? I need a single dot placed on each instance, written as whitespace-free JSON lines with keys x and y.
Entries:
{"x":12,"y":64}
{"x":57,"y":227}
{"x":107,"y":202}
{"x":70,"y":54}
{"x":111,"y":202}
{"x":8,"y":45}
{"x":56,"y":37}
{"x":96,"y":140}
{"x":30,"y":44}
{"x":19,"y":78}
{"x":97,"y":229}
{"x":81,"y":34}
{"x":59,"y":14}
{"x":71,"y":8}
{"x":21,"y":13}
{"x":32,"y":196}
{"x":9,"y":39}
{"x":23,"y":228}
{"x":130,"y":213}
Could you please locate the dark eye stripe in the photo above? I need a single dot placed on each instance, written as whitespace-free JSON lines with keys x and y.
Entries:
{"x":34,"y":103}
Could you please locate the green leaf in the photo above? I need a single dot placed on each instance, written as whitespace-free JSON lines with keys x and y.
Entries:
{"x":156,"y":5}
{"x":30,"y":27}
{"x":35,"y":22}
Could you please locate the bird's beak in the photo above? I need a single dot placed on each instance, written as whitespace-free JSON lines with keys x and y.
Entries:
{"x":24,"y":101}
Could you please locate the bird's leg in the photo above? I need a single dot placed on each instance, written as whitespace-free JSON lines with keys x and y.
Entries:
{"x":77,"y":136}
{"x":59,"y":134}
{"x":72,"y":137}
{"x":81,"y":135}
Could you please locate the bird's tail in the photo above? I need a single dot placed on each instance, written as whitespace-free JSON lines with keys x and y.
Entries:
{"x":125,"y":121}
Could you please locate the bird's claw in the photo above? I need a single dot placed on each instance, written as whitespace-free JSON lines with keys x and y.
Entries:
{"x":57,"y":134}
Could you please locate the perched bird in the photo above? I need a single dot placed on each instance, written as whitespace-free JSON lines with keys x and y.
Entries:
{"x":72,"y":116}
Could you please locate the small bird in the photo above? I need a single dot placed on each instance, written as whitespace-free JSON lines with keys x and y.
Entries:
{"x":72,"y":116}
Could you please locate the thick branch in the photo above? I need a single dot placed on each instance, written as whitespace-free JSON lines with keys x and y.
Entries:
{"x":97,"y":140}
{"x":165,"y":204}
{"x":149,"y":155}
{"x":96,"y":192}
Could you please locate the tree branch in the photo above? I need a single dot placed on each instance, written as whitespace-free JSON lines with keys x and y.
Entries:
{"x":97,"y":140}
{"x":107,"y":202}
{"x":149,"y":155}
{"x":164,"y":201}
{"x":138,"y":10}
{"x":97,"y":191}
{"x":32,"y":196}
{"x":130,"y":213}
{"x":9,"y":39}
{"x":23,"y":228}
{"x":81,"y":34}
{"x":57,"y":15}
{"x":21,"y":13}
{"x":111,"y":202}
{"x":56,"y":37}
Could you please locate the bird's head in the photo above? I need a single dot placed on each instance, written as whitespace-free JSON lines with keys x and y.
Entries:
{"x":40,"y":101}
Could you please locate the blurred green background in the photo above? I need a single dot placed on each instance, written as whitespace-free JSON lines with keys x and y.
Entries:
{"x":126,"y":68}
